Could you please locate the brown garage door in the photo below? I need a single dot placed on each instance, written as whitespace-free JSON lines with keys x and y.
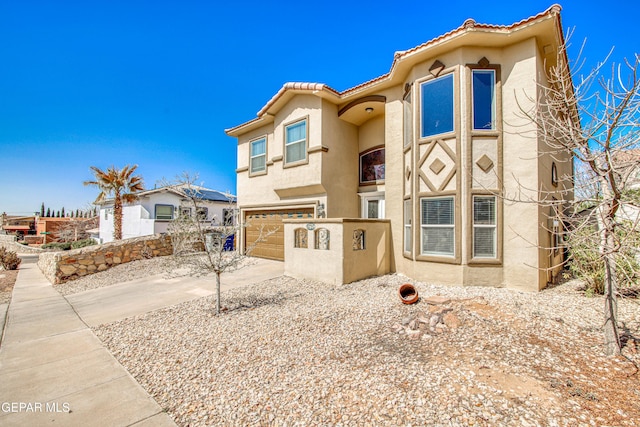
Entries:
{"x":273,"y":246}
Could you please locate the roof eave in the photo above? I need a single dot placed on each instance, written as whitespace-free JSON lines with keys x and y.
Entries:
{"x":284,"y":95}
{"x":485,"y":35}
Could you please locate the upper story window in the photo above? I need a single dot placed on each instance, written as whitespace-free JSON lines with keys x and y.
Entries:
{"x":484,"y":99}
{"x":295,"y":142}
{"x":372,"y":165}
{"x":164,"y":212}
{"x":258,"y":161}
{"x":437,"y":106}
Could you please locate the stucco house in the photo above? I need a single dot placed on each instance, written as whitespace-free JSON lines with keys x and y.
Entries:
{"x":420,"y":166}
{"x":154,"y":209}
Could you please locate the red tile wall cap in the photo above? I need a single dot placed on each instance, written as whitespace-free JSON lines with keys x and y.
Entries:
{"x":468,"y":25}
{"x":298,"y":86}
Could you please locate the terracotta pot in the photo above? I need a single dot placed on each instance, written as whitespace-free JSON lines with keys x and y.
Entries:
{"x":408,"y":293}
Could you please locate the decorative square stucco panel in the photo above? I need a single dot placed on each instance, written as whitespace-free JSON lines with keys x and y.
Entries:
{"x":484,"y":163}
{"x":437,"y":166}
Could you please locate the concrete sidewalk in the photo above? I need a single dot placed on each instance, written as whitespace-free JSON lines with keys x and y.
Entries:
{"x":53,"y":369}
{"x":116,"y":302}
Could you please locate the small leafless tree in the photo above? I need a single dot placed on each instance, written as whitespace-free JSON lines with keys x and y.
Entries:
{"x":204,"y":245}
{"x":596,"y":118}
{"x":75,"y":229}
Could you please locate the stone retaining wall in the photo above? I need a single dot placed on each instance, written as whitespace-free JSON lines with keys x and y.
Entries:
{"x":61,"y":267}
{"x":10,"y":244}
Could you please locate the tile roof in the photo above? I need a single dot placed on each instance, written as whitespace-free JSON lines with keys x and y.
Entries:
{"x":469,"y":25}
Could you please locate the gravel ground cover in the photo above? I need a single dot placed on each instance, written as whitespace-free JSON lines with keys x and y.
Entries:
{"x":290,"y":352}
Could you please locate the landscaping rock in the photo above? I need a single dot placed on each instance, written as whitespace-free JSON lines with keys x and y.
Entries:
{"x":437,"y":300}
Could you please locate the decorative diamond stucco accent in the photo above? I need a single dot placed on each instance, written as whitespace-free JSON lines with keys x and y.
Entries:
{"x":484,"y":163}
{"x":436,"y":68}
{"x":436,"y":166}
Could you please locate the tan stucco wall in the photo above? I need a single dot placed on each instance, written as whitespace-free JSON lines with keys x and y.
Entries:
{"x":551,"y":258}
{"x":518,"y":173}
{"x":340,"y":163}
{"x":519,"y":74}
{"x":340,"y":263}
{"x":260,"y":189}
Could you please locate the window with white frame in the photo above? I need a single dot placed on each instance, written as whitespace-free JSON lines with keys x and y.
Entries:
{"x":483,"y":84}
{"x":437,"y":106}
{"x":258,"y":161}
{"x":407,"y":225}
{"x":484,"y":227}
{"x":164,"y":212}
{"x":295,"y":145}
{"x":373,"y":204}
{"x":438,"y":226}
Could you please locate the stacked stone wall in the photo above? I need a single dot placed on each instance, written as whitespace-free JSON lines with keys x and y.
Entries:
{"x":9,"y":243}
{"x":61,"y":267}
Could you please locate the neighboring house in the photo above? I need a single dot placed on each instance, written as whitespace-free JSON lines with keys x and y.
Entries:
{"x":19,"y":226}
{"x":48,"y":228}
{"x":154,"y":209}
{"x":437,"y":146}
{"x":64,"y":229}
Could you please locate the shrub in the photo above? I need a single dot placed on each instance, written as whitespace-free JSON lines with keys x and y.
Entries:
{"x":83,"y":243}
{"x":60,"y":246}
{"x":587,"y":263}
{"x":9,"y":260}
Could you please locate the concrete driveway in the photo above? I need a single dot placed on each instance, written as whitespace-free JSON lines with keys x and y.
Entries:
{"x":55,"y":371}
{"x":115,"y":302}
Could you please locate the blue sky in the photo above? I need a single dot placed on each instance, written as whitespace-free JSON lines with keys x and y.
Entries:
{"x":155,"y":83}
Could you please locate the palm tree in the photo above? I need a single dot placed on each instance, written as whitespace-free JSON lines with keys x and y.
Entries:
{"x":122,"y":185}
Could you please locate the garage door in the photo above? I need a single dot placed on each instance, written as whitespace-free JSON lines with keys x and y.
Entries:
{"x":273,"y":246}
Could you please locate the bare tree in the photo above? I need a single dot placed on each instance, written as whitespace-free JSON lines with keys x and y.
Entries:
{"x":75,"y":229}
{"x":596,"y":119}
{"x":203,"y":245}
